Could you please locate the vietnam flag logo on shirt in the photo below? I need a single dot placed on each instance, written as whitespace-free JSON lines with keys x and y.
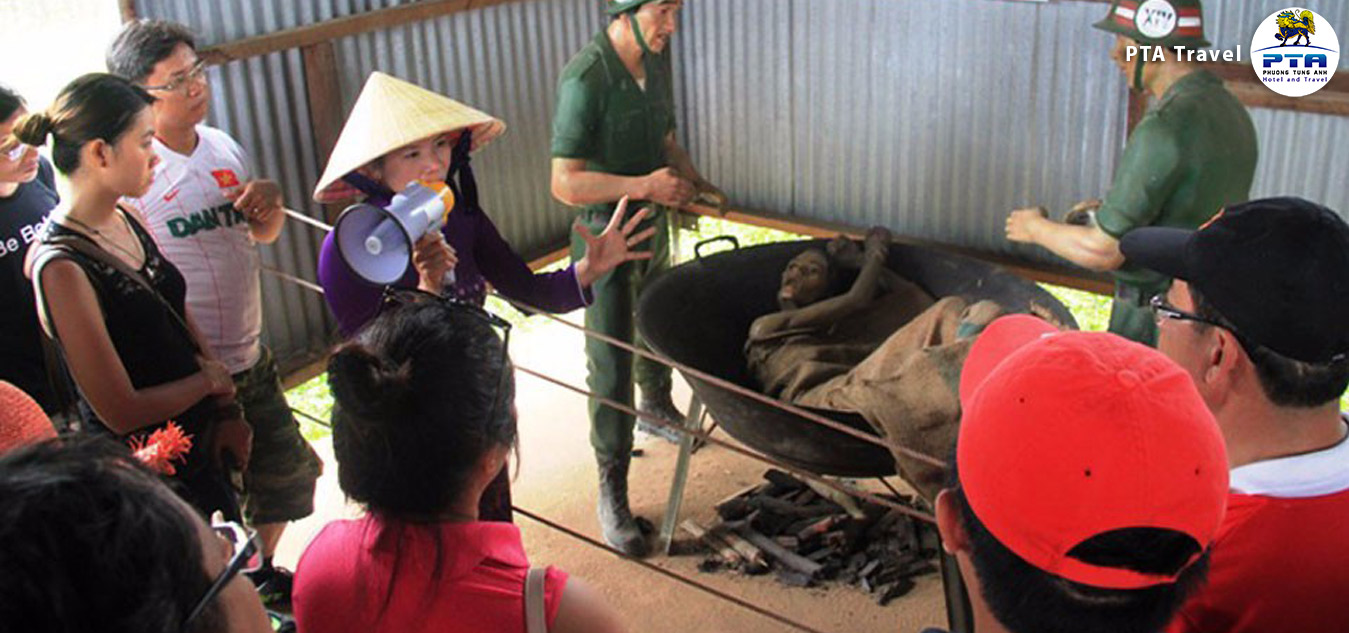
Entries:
{"x":225,"y":178}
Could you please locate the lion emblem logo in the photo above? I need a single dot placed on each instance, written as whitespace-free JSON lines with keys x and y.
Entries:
{"x":1294,"y":28}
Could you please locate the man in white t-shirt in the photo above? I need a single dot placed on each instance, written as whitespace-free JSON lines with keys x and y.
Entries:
{"x":208,"y":212}
{"x":1259,"y":316}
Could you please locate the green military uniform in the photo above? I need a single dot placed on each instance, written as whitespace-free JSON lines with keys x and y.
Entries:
{"x":618,"y":127}
{"x":1188,"y":158}
{"x":1192,"y":154}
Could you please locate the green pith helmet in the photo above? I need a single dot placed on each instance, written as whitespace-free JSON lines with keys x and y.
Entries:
{"x":1156,"y":22}
{"x":619,"y":6}
{"x":1168,"y":23}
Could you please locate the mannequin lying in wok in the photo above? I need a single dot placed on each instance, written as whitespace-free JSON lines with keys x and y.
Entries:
{"x":882,"y":347}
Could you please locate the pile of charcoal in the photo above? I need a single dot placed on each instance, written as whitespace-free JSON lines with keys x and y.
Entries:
{"x":812,"y":535}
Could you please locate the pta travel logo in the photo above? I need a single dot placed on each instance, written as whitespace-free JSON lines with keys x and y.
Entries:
{"x":1295,"y":52}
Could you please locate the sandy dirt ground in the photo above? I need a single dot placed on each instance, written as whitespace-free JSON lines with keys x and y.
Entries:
{"x":556,"y":479}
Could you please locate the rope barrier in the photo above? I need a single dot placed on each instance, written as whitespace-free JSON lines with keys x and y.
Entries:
{"x":327,"y":228}
{"x":800,"y":472}
{"x":667,"y":573}
{"x":293,"y":279}
{"x":730,"y":386}
{"x":311,"y":418}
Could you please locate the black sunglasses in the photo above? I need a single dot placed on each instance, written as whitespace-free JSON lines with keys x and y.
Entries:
{"x":247,"y":557}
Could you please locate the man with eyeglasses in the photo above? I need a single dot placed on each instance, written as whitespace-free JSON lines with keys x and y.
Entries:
{"x":208,"y":213}
{"x":1259,"y":317}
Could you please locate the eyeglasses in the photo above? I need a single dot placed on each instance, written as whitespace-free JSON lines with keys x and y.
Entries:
{"x":246,"y":557}
{"x":397,"y":297}
{"x":1163,"y":310}
{"x":196,"y":73}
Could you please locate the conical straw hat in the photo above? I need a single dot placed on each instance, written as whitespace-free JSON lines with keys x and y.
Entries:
{"x":389,"y":114}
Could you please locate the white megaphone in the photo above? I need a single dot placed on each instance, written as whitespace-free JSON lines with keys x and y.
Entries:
{"x":377,"y":243}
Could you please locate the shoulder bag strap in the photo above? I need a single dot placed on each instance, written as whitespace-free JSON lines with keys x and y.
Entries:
{"x":61,"y":385}
{"x":88,"y":249}
{"x":536,"y":620}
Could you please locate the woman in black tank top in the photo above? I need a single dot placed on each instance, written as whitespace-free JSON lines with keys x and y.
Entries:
{"x":114,"y":303}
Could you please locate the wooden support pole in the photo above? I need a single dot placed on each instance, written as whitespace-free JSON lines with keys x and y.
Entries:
{"x":1246,"y":85}
{"x":324,"y":92}
{"x":325,"y":95}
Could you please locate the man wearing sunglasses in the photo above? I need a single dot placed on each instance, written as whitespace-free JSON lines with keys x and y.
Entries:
{"x":1259,"y":317}
{"x":208,"y":213}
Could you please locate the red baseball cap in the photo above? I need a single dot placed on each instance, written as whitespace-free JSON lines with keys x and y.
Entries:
{"x":1069,"y":435}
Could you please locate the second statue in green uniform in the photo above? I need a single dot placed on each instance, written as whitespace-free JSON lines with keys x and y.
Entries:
{"x":1191,"y":155}
{"x":613,"y":136}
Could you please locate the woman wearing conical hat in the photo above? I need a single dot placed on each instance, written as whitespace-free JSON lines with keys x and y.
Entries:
{"x":399,"y":133}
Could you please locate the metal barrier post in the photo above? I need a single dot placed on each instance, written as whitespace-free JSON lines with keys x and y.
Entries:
{"x":693,"y":422}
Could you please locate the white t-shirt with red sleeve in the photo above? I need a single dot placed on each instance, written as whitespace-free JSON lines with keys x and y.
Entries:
{"x":1280,"y":562}
{"x":199,"y":230}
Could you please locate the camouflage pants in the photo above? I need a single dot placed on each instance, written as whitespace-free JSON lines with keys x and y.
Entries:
{"x":279,"y":481}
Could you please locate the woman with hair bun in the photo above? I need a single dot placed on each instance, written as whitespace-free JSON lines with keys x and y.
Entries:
{"x":113,"y":303}
{"x":424,"y":419}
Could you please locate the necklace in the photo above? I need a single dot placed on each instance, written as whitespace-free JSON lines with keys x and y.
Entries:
{"x":108,"y":240}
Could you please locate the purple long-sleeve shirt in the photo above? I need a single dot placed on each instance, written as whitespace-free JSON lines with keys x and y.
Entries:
{"x":484,"y":257}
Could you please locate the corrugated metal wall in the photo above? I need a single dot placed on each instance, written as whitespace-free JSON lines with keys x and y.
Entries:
{"x":933,"y":117}
{"x":936,"y":118}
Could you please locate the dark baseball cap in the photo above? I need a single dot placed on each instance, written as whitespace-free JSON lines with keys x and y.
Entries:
{"x":1276,"y":269}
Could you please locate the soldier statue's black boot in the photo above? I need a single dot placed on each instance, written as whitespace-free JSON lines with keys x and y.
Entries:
{"x":621,"y":530}
{"x":660,"y":406}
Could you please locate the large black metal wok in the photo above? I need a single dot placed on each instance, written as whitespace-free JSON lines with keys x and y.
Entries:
{"x":699,"y":314}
